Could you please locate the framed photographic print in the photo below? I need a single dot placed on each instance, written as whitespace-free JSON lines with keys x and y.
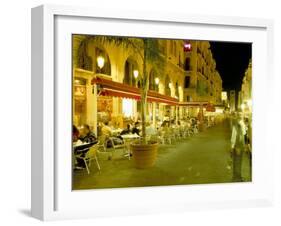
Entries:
{"x":136,"y":113}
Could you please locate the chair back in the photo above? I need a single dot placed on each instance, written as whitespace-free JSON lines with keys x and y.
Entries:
{"x":92,"y":151}
{"x":102,"y":139}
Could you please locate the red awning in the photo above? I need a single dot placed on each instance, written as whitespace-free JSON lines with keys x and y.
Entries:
{"x":154,"y":96}
{"x":194,"y":103}
{"x":117,"y":89}
{"x":210,"y":108}
{"x":118,"y":93}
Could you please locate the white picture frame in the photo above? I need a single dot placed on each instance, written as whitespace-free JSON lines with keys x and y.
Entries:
{"x":52,"y":197}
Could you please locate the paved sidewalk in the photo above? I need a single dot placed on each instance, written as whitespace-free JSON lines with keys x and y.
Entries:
{"x":203,"y":158}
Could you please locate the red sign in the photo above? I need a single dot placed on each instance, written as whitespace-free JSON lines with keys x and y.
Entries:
{"x":210,"y":108}
{"x":187,"y":47}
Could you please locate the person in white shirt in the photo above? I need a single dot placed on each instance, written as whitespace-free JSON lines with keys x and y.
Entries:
{"x":237,"y":146}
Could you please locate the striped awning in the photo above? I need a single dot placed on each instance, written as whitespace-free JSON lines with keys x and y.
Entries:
{"x":117,"y":89}
{"x":194,"y":103}
{"x":208,"y":106}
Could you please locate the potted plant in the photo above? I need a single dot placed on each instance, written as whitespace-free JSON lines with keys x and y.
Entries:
{"x":144,"y":151}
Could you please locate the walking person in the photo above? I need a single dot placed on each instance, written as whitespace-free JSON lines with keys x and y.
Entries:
{"x":237,"y":146}
{"x":248,"y":144}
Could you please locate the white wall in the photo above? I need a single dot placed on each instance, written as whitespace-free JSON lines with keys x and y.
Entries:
{"x":15,"y":112}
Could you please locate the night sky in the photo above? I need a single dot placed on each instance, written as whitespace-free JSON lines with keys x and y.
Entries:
{"x":232,"y":60}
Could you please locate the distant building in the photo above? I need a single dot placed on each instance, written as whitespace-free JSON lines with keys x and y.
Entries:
{"x":239,"y":101}
{"x":202,"y":81}
{"x":246,"y":89}
{"x":232,"y":100}
{"x":224,"y":98}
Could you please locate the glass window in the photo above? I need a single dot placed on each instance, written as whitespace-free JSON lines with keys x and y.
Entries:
{"x":186,"y":81}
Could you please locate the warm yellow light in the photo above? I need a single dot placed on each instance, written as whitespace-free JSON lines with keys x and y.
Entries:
{"x":170,"y":85}
{"x":224,"y":95}
{"x":179,"y":87}
{"x":100,"y":61}
{"x":136,"y":73}
{"x":128,"y":107}
{"x":242,"y":107}
{"x":156,"y":81}
{"x":249,"y":103}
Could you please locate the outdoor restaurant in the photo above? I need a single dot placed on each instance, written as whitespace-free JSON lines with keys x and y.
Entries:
{"x":118,"y":130}
{"x":168,"y":119}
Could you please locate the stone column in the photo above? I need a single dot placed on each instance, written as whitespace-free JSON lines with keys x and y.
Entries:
{"x":176,"y":107}
{"x":154,"y":114}
{"x":92,"y":106}
{"x":135,"y":112}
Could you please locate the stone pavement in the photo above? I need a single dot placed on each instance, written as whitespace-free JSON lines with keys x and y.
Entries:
{"x":203,"y":158}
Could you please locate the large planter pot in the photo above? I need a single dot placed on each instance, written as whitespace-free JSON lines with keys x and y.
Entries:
{"x":144,"y":155}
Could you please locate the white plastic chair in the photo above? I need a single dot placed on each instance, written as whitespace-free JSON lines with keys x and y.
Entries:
{"x":90,"y":155}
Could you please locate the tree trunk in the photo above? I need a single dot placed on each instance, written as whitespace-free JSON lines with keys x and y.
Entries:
{"x":144,"y":90}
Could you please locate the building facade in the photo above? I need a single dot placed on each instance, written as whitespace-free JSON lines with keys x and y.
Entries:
{"x":188,"y":74}
{"x":246,"y":90}
{"x":232,"y":100}
{"x":202,"y":80}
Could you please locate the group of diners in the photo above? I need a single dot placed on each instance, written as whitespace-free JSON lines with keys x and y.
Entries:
{"x":110,"y":136}
{"x":86,"y":135}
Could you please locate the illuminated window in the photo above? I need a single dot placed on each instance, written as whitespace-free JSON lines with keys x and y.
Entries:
{"x":128,"y":107}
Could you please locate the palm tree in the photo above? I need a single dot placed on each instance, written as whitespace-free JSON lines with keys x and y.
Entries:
{"x":149,"y":51}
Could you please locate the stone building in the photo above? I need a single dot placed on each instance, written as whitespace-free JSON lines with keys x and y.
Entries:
{"x":188,"y":75}
{"x":246,"y":89}
{"x":202,"y":80}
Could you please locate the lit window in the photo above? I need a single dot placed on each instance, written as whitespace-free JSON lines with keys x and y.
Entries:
{"x":128,"y":107}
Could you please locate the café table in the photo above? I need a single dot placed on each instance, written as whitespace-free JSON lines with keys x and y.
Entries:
{"x":116,"y":132}
{"x":83,"y":147}
{"x":128,"y":139}
{"x":80,"y":149}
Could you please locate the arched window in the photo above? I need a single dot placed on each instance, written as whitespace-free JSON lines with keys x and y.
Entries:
{"x":187,"y":64}
{"x":152,"y":83}
{"x":177,"y":90}
{"x":84,"y":61}
{"x":131,"y":73}
{"x":168,"y":86}
{"x":105,"y":67}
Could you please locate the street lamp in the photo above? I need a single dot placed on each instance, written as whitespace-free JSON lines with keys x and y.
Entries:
{"x":249,"y":102}
{"x":242,"y":107}
{"x":157,"y":81}
{"x":136,"y":73}
{"x":100,"y":62}
{"x":170,"y":85}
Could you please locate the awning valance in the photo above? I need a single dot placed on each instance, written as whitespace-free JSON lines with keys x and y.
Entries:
{"x":117,"y":89}
{"x":194,"y":103}
{"x":209,"y":107}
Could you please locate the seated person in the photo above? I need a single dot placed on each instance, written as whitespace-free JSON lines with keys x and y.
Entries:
{"x":165,"y":124}
{"x":136,"y":128}
{"x":107,"y":132}
{"x":127,"y":130}
{"x":87,"y":135}
{"x":75,"y":134}
{"x":150,"y":130}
